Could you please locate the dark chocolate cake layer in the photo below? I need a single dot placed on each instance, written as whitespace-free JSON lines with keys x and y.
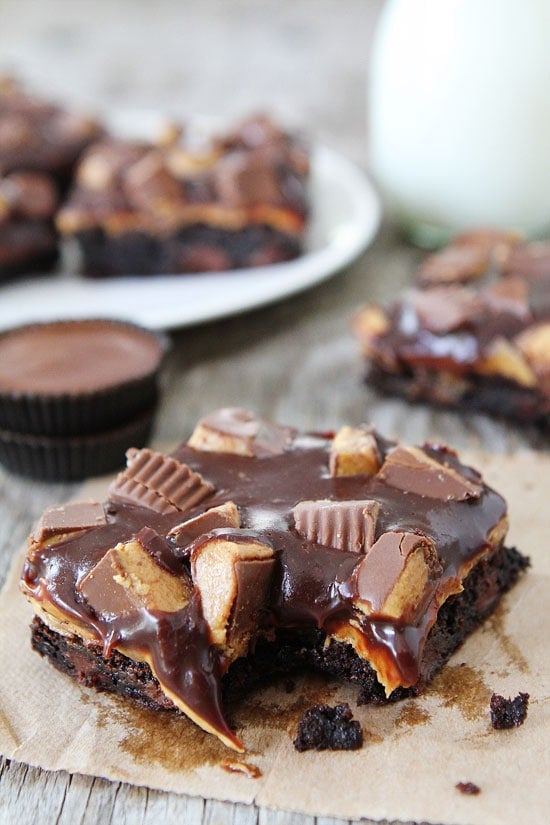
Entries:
{"x":253,"y":544}
{"x":198,"y":248}
{"x":494,"y":396}
{"x":27,"y":246}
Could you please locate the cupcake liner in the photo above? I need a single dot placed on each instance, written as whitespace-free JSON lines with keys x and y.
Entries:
{"x":83,"y":412}
{"x":47,"y":458}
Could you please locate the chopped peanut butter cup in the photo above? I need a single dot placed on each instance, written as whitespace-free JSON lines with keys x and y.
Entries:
{"x":347,"y":525}
{"x":62,"y":519}
{"x":397,"y":576}
{"x":159,"y":482}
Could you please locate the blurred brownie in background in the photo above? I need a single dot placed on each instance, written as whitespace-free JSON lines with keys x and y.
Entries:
{"x":39,"y":136}
{"x":28,"y":239}
{"x":40,"y":143}
{"x":152,"y":208}
{"x":474,"y":332}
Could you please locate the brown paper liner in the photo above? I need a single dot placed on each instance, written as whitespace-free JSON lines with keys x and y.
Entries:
{"x":414,"y":752}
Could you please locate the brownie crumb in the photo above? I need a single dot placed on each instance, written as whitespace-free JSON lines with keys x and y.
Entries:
{"x":328,"y":728}
{"x":508,"y":713}
{"x":469,"y":788}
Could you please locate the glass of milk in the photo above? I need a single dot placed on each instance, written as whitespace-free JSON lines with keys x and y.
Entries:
{"x":459,"y":115}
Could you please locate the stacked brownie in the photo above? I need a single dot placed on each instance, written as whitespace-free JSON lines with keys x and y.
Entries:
{"x":40,"y":144}
{"x":255,"y":550}
{"x":474,"y":332}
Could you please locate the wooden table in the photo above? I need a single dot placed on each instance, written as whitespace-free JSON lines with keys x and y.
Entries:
{"x":295,"y":362}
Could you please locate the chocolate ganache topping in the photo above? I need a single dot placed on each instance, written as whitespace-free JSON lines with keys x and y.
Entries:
{"x":249,"y":527}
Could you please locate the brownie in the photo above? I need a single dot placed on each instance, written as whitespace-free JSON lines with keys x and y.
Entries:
{"x":37,"y":135}
{"x":143,"y":209}
{"x":293,"y":650}
{"x":254,"y":551}
{"x":473,"y":334}
{"x":40,"y":143}
{"x":28,"y":239}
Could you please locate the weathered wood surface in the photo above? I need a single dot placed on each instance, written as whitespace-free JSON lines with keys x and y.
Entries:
{"x":295,"y":361}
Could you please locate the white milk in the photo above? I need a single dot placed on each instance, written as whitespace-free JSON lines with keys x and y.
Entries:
{"x":460,"y":113}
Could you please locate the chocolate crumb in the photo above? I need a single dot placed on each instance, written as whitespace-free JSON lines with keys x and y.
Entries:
{"x":508,"y":713}
{"x":328,"y":728}
{"x":469,"y":788}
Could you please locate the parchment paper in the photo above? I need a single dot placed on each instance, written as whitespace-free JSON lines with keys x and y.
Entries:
{"x":414,"y":752}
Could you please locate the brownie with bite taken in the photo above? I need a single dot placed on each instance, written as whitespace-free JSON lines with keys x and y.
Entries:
{"x":254,"y":550}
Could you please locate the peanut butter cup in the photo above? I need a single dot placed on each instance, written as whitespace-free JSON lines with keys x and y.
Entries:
{"x":254,"y":550}
{"x":74,"y":395}
{"x":77,"y":377}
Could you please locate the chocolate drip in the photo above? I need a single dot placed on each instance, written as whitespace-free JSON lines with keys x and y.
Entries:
{"x":186,"y":664}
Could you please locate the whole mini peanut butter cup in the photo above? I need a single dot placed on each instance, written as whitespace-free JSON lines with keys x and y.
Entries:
{"x":77,"y":378}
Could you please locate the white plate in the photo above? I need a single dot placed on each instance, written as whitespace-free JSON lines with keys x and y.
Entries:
{"x":346,"y":215}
